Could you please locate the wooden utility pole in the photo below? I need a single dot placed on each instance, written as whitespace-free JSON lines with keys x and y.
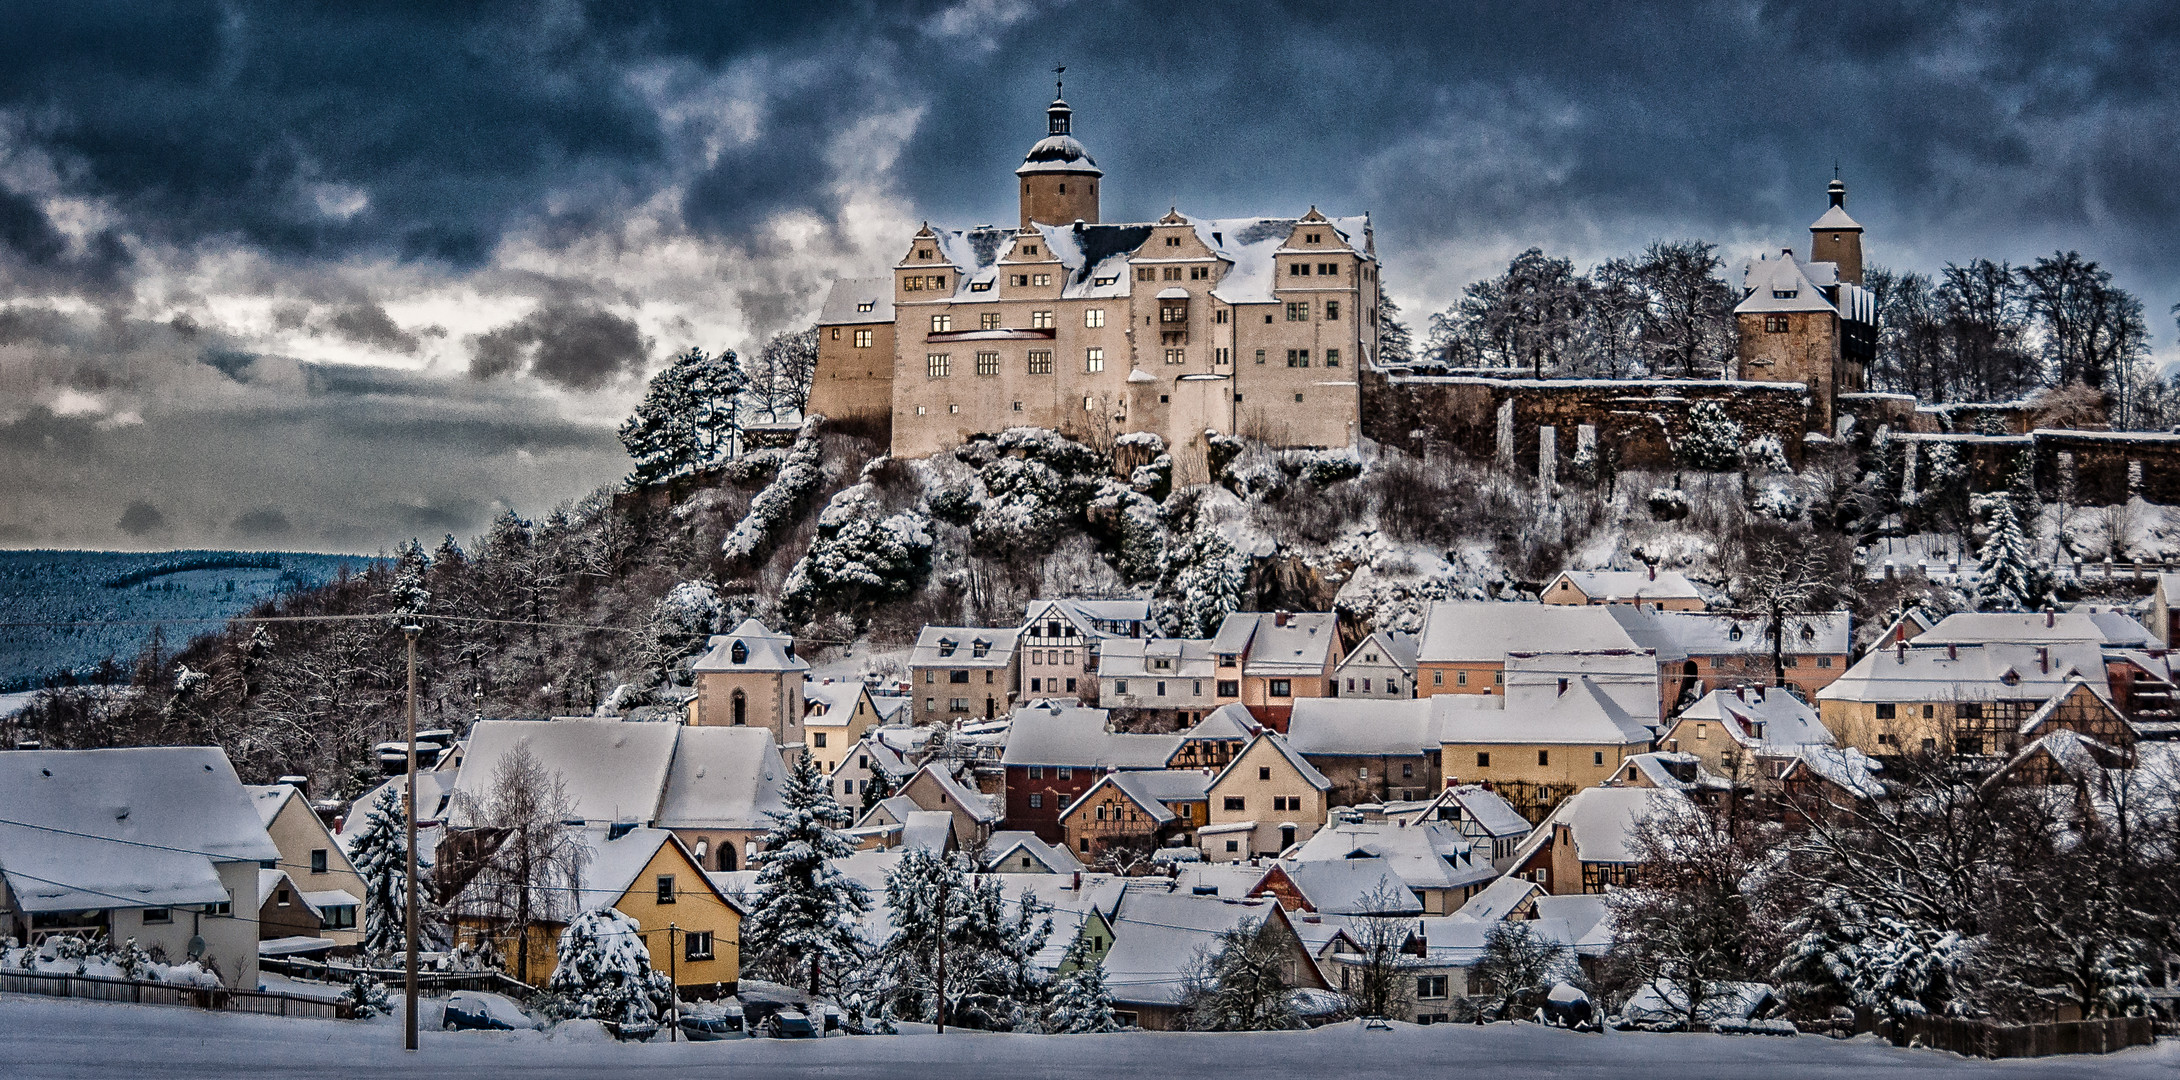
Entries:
{"x":673,"y":978}
{"x":409,"y":855}
{"x":942,"y":956}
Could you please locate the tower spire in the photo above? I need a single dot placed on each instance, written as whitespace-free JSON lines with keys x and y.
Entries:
{"x":1058,"y":71}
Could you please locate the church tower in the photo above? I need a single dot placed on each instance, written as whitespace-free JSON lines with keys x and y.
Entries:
{"x":1837,"y":238}
{"x":1059,"y":181}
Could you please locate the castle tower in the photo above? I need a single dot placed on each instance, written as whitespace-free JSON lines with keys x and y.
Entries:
{"x":1059,"y":181}
{"x":1837,"y":238}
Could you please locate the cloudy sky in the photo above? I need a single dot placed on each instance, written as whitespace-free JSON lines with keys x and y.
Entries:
{"x":329,"y":276}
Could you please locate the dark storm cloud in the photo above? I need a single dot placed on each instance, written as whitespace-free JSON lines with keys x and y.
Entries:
{"x":367,"y":323}
{"x":263,"y":522}
{"x":579,"y":347}
{"x":141,"y":519}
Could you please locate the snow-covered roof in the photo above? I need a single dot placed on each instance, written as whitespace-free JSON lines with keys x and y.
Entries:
{"x":1501,"y":898}
{"x":1000,"y":852}
{"x":1229,"y":879}
{"x":1585,"y":917}
{"x":763,"y":651}
{"x":1304,"y":645}
{"x":1351,"y":886}
{"x":1227,"y":723}
{"x":269,"y":798}
{"x":1077,"y":738}
{"x":1835,"y":217}
{"x":1492,"y":814}
{"x":1676,"y":635}
{"x":845,"y":302}
{"x":1362,"y":727}
{"x":1483,"y":630}
{"x":722,"y":778}
{"x":1426,"y":855}
{"x":133,"y":827}
{"x":1981,"y":627}
{"x":1760,"y":719}
{"x":1159,"y":937}
{"x":1603,"y":821}
{"x":1138,"y":658}
{"x":1779,"y":284}
{"x":1250,"y":244}
{"x":1664,"y":769}
{"x":613,"y":770}
{"x":927,"y":830}
{"x":830,"y":703}
{"x":965,"y":646}
{"x":1091,"y":617}
{"x":1309,"y":772}
{"x":1628,"y":585}
{"x":976,"y":804}
{"x":1992,"y":672}
{"x":1396,"y":648}
{"x":1850,"y":769}
{"x":1582,"y":714}
{"x":1058,"y":153}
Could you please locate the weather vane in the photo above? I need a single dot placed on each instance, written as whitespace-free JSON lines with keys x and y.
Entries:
{"x":1056,"y":73}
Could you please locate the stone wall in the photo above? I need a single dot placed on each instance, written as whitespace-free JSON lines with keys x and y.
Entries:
{"x":2089,"y":468}
{"x":1639,"y":418}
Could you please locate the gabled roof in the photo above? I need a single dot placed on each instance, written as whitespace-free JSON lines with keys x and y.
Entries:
{"x":269,"y":799}
{"x":1603,"y":821}
{"x":1003,"y":845}
{"x":723,"y":778}
{"x":1584,"y":714}
{"x":928,"y":830}
{"x":1661,"y":769}
{"x":764,"y":651}
{"x":1395,"y":648}
{"x":1761,"y":720}
{"x":1501,"y":898}
{"x":1628,"y":585}
{"x":1484,"y":630}
{"x":1779,"y":284}
{"x":130,"y":828}
{"x":2036,"y":721}
{"x":1132,"y":658}
{"x":958,"y":646}
{"x":1984,"y":627}
{"x":1362,"y":727}
{"x":1077,"y":738}
{"x":830,"y":703}
{"x":1091,"y":254}
{"x":613,"y":770}
{"x":848,"y":295}
{"x":1845,"y":767}
{"x":1309,"y":772}
{"x":1085,"y":614}
{"x":1349,"y":886}
{"x":1227,"y":723}
{"x":1426,"y":855}
{"x":975,"y":803}
{"x":1991,"y":672}
{"x":1304,"y":646}
{"x":1496,"y":817}
{"x":1674,"y":635}
{"x":1158,"y":938}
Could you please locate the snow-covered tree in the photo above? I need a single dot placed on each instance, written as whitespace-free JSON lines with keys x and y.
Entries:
{"x":1081,"y":1002}
{"x":380,"y":855}
{"x":1684,"y":917}
{"x":1201,"y":584}
{"x":776,"y":506}
{"x":604,"y":972}
{"x":687,"y":418}
{"x":408,"y":596}
{"x":1873,"y":960}
{"x":681,"y":622}
{"x":2011,"y":579}
{"x":877,"y":789}
{"x":1244,"y":985}
{"x":1519,"y":965}
{"x":938,"y":901}
{"x":1713,"y":439}
{"x":803,"y":929}
{"x":859,"y":560}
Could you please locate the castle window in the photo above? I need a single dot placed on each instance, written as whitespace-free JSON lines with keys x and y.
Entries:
{"x":1031,"y":249}
{"x":953,"y":408}
{"x":1298,"y":269}
{"x":1332,"y":358}
{"x":1222,"y":356}
{"x":1094,"y":318}
{"x":1312,"y":238}
{"x":1198,"y":273}
{"x":1332,"y":311}
{"x":1090,"y":404}
{"x":980,"y":286}
{"x":1173,"y":273}
{"x":1017,"y":280}
{"x":1298,"y":311}
{"x":1329,"y":269}
{"x":836,"y":333}
{"x":912,"y":284}
{"x":1093,"y":360}
{"x":988,"y":321}
{"x":1169,"y":312}
{"x":1298,"y":399}
{"x":923,"y":253}
{"x":863,"y":339}
{"x":1106,"y":280}
{"x":1173,"y":241}
{"x":1219,"y":317}
{"x":1298,"y":358}
{"x":1040,"y":320}
{"x":941,"y":324}
{"x":938,"y":281}
{"x":1146,"y":273}
{"x":938,"y":365}
{"x":1260,"y":356}
{"x":1177,"y":356}
{"x":1040,"y":279}
{"x":1775,"y":324}
{"x":987,"y":363}
{"x":1040,"y":363}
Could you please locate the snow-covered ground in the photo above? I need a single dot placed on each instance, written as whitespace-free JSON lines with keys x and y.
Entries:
{"x":42,"y":1038}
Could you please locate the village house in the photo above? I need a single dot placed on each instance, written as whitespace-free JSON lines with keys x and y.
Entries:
{"x":1135,"y":811}
{"x":1265,"y":660}
{"x":1745,"y":734}
{"x":1541,"y":740}
{"x":888,"y":751}
{"x":1216,"y":739}
{"x":1647,"y":588}
{"x":974,"y":815}
{"x":1013,"y":851}
{"x":1465,"y":643}
{"x":1158,"y":937}
{"x":1357,"y":884}
{"x":835,"y":716}
{"x":1971,"y":699}
{"x":1587,"y":843}
{"x":959,"y":673}
{"x":1063,"y":641}
{"x":327,"y":891}
{"x":1382,"y":666}
{"x":2103,"y":627}
{"x":1161,"y":680}
{"x":1054,"y":753}
{"x":751,"y":677}
{"x":1373,"y":751}
{"x":1698,"y":652}
{"x":1432,"y":859}
{"x":159,"y":844}
{"x":1489,"y":823}
{"x":1271,"y":789}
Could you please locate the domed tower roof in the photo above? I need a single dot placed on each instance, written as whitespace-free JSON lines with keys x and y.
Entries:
{"x":1058,"y":151}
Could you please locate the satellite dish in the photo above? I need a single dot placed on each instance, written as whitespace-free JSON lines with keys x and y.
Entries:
{"x":196,"y":946}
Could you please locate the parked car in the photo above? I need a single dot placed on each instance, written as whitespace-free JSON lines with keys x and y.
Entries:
{"x":790,"y":1024}
{"x":474,"y":1010}
{"x":710,"y":1022}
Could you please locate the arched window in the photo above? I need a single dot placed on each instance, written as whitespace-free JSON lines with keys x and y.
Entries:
{"x":726,"y":856}
{"x":741,"y":709}
{"x":739,"y":653}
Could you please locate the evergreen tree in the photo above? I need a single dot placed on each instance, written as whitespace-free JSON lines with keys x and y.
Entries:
{"x":877,"y":789}
{"x":687,"y":419}
{"x":2011,"y":579}
{"x":1713,"y":440}
{"x":803,"y":930}
{"x":604,"y":972}
{"x":1081,"y":1002}
{"x":379,"y":853}
{"x":1396,"y":344}
{"x":408,"y":595}
{"x":1201,"y":585}
{"x":939,"y":901}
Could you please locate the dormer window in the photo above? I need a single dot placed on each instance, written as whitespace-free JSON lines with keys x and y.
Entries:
{"x":946,"y":647}
{"x":1785,"y":294}
{"x":1733,"y":633}
{"x":2010,"y":678}
{"x":1809,"y":633}
{"x":979,"y":647}
{"x":865,"y":305}
{"x":739,"y":653}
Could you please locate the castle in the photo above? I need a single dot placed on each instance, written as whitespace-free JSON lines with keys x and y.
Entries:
{"x":1810,"y":322}
{"x":1177,"y":327}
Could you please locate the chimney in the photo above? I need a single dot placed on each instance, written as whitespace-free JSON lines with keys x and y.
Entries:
{"x":1078,"y":881}
{"x":1952,"y":652}
{"x":1743,"y":691}
{"x":2051,"y":618}
{"x":1279,"y":618}
{"x":1653,"y":571}
{"x":2043,"y":659}
{"x":1786,"y":253}
{"x":1563,"y":686}
{"x":1903,"y":651}
{"x":1760,"y":694}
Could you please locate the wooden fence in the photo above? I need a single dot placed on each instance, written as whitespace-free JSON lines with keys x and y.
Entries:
{"x":429,"y":983}
{"x":1976,"y":1038}
{"x":96,"y":988}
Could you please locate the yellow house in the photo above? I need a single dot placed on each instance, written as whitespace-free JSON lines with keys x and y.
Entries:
{"x":1548,"y":738}
{"x":316,"y":867}
{"x":835,"y":717}
{"x":1465,"y":643}
{"x":1967,"y":699}
{"x":1274,"y":790}
{"x":1669,"y":591}
{"x":691,"y":929}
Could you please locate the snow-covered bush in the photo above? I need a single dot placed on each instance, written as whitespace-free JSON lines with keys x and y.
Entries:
{"x":1081,"y":1002}
{"x":1201,"y":583}
{"x":604,"y":972}
{"x":1330,"y":466}
{"x":775,"y":507}
{"x":368,"y":997}
{"x":1776,"y":498}
{"x":1668,"y":504}
{"x":1713,"y":439}
{"x":859,"y":561}
{"x":1765,"y":454}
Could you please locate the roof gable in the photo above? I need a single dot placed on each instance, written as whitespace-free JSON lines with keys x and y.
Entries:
{"x":1259,"y":754}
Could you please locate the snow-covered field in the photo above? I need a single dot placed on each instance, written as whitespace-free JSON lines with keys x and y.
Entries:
{"x":70,"y":1039}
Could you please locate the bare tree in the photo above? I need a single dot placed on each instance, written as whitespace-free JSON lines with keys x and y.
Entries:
{"x":1685,"y":918}
{"x":1377,"y":983}
{"x":528,"y":864}
{"x":1519,"y":966}
{"x":779,"y":378}
{"x":1247,"y":984}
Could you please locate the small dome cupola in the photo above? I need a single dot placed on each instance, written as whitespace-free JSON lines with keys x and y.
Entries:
{"x":1837,"y":188}
{"x":1059,"y":119}
{"x":1059,"y":181}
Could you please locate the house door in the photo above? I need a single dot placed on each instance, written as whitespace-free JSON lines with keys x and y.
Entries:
{"x":990,"y":709}
{"x":1286,"y":837}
